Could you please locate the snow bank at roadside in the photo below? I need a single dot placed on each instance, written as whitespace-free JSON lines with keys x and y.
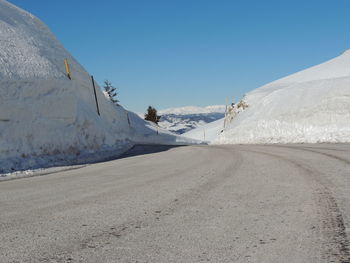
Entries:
{"x":310,"y":106}
{"x":47,"y":119}
{"x":208,"y":132}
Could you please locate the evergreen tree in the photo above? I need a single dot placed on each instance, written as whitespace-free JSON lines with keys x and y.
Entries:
{"x":151,"y":115}
{"x":111,"y":91}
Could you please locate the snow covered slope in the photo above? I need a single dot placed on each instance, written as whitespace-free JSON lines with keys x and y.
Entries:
{"x":208,"y":132}
{"x":310,"y":106}
{"x":46,"y":117}
{"x":183,"y":119}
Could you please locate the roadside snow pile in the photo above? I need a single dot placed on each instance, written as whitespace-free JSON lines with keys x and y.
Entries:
{"x":208,"y":132}
{"x":310,"y":106}
{"x":48,"y":119}
{"x":184,"y":119}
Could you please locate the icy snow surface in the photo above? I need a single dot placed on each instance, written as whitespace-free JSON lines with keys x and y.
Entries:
{"x":310,"y":106}
{"x":47,"y":119}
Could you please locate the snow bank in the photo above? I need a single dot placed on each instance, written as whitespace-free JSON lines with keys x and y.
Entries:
{"x":310,"y":106}
{"x":306,"y":107}
{"x":208,"y":132}
{"x":47,"y":118}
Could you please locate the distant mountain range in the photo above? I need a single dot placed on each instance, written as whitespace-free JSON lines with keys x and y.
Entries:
{"x":184,"y":119}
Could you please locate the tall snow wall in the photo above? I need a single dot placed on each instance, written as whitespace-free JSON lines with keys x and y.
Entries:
{"x":310,"y":106}
{"x":42,"y":112}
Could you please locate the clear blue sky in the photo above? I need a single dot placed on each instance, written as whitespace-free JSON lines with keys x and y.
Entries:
{"x":170,"y":53}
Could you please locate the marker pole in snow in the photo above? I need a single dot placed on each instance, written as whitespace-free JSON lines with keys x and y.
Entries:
{"x":93,"y":85}
{"x":127,"y":115}
{"x":225,"y":114}
{"x":67,"y":69}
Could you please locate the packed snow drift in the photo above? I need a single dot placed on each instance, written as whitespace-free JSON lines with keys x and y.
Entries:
{"x":310,"y":106}
{"x":45,"y":117}
{"x":183,"y":119}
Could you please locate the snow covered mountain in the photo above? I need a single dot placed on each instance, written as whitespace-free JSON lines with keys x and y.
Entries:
{"x":45,"y":117}
{"x":193,"y":110}
{"x":310,"y":106}
{"x":183,"y":119}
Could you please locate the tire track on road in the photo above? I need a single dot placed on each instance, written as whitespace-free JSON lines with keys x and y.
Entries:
{"x":333,"y":225}
{"x":309,"y":149}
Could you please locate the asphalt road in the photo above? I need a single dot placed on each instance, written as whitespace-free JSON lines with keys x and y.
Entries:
{"x":287,"y":203}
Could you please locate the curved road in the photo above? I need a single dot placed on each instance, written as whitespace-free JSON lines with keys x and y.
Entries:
{"x":280,"y":203}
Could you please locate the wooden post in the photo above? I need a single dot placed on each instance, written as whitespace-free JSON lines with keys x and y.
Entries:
{"x":93,"y":85}
{"x":67,"y":69}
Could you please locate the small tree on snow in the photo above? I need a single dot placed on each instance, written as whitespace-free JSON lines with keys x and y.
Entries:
{"x":111,"y":91}
{"x":151,"y":115}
